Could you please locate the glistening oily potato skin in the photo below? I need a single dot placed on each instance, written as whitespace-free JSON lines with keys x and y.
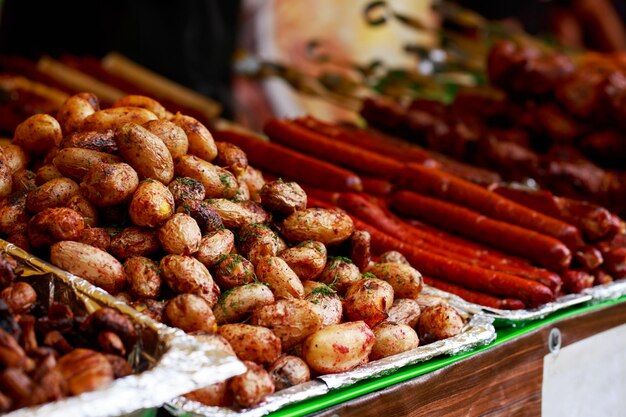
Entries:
{"x":188,"y":232}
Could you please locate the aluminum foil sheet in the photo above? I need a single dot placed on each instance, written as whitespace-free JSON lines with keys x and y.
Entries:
{"x":169,"y":362}
{"x":609,"y":291}
{"x":479,"y":331}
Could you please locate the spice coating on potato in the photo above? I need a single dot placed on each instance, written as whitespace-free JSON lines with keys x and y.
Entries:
{"x":172,"y":136}
{"x":233,"y":270}
{"x":97,"y":237}
{"x":393,"y":257}
{"x":236,"y":214}
{"x":324,"y":225}
{"x":186,"y":188}
{"x":53,"y":225}
{"x":307,"y":260}
{"x":38,"y":134}
{"x":235,"y":304}
{"x":151,"y":204}
{"x":54,"y":193}
{"x":391,"y":339}
{"x":253,"y":178}
{"x":6,"y":179}
{"x":368,"y":299}
{"x":405,"y":280}
{"x":217,"y":181}
{"x":215,"y":395}
{"x":16,"y":158}
{"x":207,"y":218}
{"x":252,"y":387}
{"x":101,"y":141}
{"x":214,"y":246}
{"x":185,"y":274}
{"x":46,"y":173}
{"x":109,"y":184}
{"x":325,"y":302}
{"x":360,"y":254}
{"x":13,"y":215}
{"x":190,"y":313}
{"x":288,"y":371}
{"x":439,"y":322}
{"x":142,"y":275}
{"x":252,"y":343}
{"x":134,"y":241}
{"x":136,"y":100}
{"x":338,"y":348}
{"x":76,"y":162}
{"x":341,"y":273}
{"x":23,"y":180}
{"x":180,"y":235}
{"x":75,"y":110}
{"x":255,"y":241}
{"x":283,"y":282}
{"x":201,"y":143}
{"x":115,"y":117}
{"x":404,"y":311}
{"x":283,"y":197}
{"x":231,"y":157}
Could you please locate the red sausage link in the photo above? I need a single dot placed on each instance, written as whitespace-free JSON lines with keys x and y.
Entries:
{"x":475,"y":296}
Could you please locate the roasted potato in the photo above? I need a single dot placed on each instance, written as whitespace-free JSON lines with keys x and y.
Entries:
{"x":13,"y":215}
{"x":6,"y":179}
{"x":283,"y":198}
{"x":190,"y":312}
{"x":243,"y":192}
{"x":237,"y":303}
{"x":429,"y":300}
{"x":288,"y":371}
{"x":439,"y":322}
{"x":144,"y":102}
{"x":283,"y":282}
{"x":85,"y":370}
{"x":252,"y":387}
{"x":201,"y":143}
{"x":101,"y":141}
{"x":252,"y":343}
{"x":115,"y":117}
{"x":253,"y":178}
{"x":360,"y":249}
{"x":151,"y":308}
{"x":216,"y":395}
{"x":292,"y":320}
{"x":20,"y":240}
{"x":405,"y":280}
{"x":217,"y":181}
{"x":256,"y":241}
{"x":83,"y":207}
{"x":92,"y":264}
{"x":134,"y":241}
{"x":231,"y":157}
{"x":75,"y":110}
{"x":391,"y":339}
{"x":215,"y":245}
{"x":307,"y":260}
{"x":143,"y":277}
{"x":185,"y":274}
{"x":53,"y":225}
{"x":324,"y":225}
{"x":393,"y":257}
{"x":207,"y":218}
{"x":151,"y":205}
{"x":23,"y":180}
{"x":236,"y":214}
{"x":325,"y":302}
{"x":233,"y":270}
{"x":38,"y":134}
{"x":54,"y":193}
{"x":338,"y":348}
{"x":96,"y":237}
{"x":340,"y":273}
{"x":76,"y":162}
{"x":368,"y":299}
{"x":15,"y":157}
{"x":404,"y":311}
{"x":145,"y":152}
{"x":46,"y":173}
{"x":109,"y":184}
{"x":186,"y":188}
{"x":172,"y":136}
{"x":180,"y":235}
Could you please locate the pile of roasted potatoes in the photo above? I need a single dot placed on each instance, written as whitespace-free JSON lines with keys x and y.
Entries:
{"x":146,"y":205}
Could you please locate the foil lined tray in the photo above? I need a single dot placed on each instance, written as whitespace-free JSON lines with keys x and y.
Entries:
{"x":167,"y":361}
{"x":478,"y":332}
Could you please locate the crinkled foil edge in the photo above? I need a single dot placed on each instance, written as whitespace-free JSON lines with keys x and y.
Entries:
{"x":185,"y":365}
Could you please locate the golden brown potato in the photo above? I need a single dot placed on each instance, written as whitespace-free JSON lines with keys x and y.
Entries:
{"x":368,"y":299}
{"x":215,"y":341}
{"x":288,"y":371}
{"x":53,"y":225}
{"x":391,"y":339}
{"x":19,"y":297}
{"x":404,"y":311}
{"x":329,"y":226}
{"x":235,"y":304}
{"x":151,"y":204}
{"x":252,"y":343}
{"x":180,"y":235}
{"x":15,"y":157}
{"x":338,"y":348}
{"x":236,"y":214}
{"x":253,"y":178}
{"x":393,"y":257}
{"x":243,"y":192}
{"x":92,"y":264}
{"x":46,"y":173}
{"x":233,"y":270}
{"x":6,"y":179}
{"x":214,"y":246}
{"x":231,"y":157}
{"x":405,"y":280}
{"x":217,"y":181}
{"x":75,"y":110}
{"x":283,"y":282}
{"x":38,"y":134}
{"x":325,"y":302}
{"x":429,"y":300}
{"x":215,"y":395}
{"x":96,"y":237}
{"x":307,"y":260}
{"x":135,"y":241}
{"x":83,"y":207}
{"x":85,"y":370}
{"x":109,"y":184}
{"x":201,"y":143}
{"x":13,"y":215}
{"x":76,"y":162}
{"x":144,"y":102}
{"x":360,"y":249}
{"x":96,"y":140}
{"x":283,"y":197}
{"x":145,"y":152}
{"x":252,"y":387}
{"x":24,"y":180}
{"x":114,"y":117}
{"x":439,"y":322}
{"x":151,"y":308}
{"x":340,"y":273}
{"x":186,"y":188}
{"x":142,"y":276}
{"x":172,"y":136}
{"x":256,"y":241}
{"x":207,"y":218}
{"x":185,"y":274}
{"x":292,"y":320}
{"x":190,"y":313}
{"x":54,"y":193}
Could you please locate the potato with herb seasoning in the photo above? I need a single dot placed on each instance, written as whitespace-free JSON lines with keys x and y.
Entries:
{"x":391,"y":339}
{"x":252,"y":387}
{"x":186,"y":188}
{"x":184,"y":274}
{"x":207,"y":218}
{"x":282,"y":197}
{"x":38,"y":134}
{"x":180,"y":235}
{"x":237,"y":303}
{"x":135,"y":241}
{"x":46,"y":173}
{"x":214,"y":246}
{"x":13,"y":215}
{"x":75,"y":110}
{"x":283,"y":282}
{"x":101,"y":141}
{"x":256,"y":241}
{"x":54,"y":225}
{"x":23,"y":181}
{"x":201,"y":143}
{"x":369,"y":299}
{"x":76,"y":162}
{"x":405,"y":280}
{"x":151,"y":204}
{"x":97,"y":237}
{"x":393,"y":256}
{"x":233,"y":270}
{"x":231,"y":156}
{"x":325,"y":301}
{"x":404,"y":311}
{"x":360,"y":253}
{"x":190,"y":313}
{"x":439,"y":322}
{"x":329,"y":226}
{"x":172,"y":136}
{"x":307,"y":259}
{"x":107,"y":185}
{"x":115,"y":117}
{"x":341,"y":273}
{"x":54,"y":193}
{"x":236,"y":214}
{"x":217,"y":182}
{"x":135,"y":100}
{"x":142,"y":275}
{"x":253,"y":178}
{"x":15,"y":157}
{"x":252,"y":343}
{"x":288,"y":371}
